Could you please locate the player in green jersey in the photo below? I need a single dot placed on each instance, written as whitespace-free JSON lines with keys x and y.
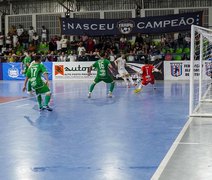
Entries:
{"x":24,"y":67}
{"x":34,"y":75}
{"x":26,"y":62}
{"x":102,"y":66}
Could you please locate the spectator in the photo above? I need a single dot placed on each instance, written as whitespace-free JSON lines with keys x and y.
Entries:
{"x":80,"y":49}
{"x":90,"y":44}
{"x":31,"y":32}
{"x":1,"y":41}
{"x":64,"y":43}
{"x":52,"y":45}
{"x":25,"y":39}
{"x":8,"y":41}
{"x":15,"y":40}
{"x":44,"y":34}
{"x":35,"y":39}
{"x":58,"y":43}
{"x":62,"y":57}
{"x":72,"y":57}
{"x":20,"y":30}
{"x":131,"y":56}
{"x":139,"y":39}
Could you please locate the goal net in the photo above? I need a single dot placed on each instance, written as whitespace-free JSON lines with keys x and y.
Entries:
{"x":200,"y":72}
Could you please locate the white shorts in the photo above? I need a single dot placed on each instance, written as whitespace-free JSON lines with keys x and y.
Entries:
{"x":123,"y":72}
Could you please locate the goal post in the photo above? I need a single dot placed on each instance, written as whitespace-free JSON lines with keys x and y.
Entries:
{"x":200,"y":102}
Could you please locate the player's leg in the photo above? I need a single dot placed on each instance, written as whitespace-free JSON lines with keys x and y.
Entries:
{"x":47,"y":100}
{"x":143,"y":83}
{"x":39,"y":100}
{"x":29,"y":88}
{"x":131,"y":80}
{"x":112,"y":85}
{"x":153,"y":83}
{"x":48,"y":94}
{"x":138,"y":80}
{"x":45,"y":90}
{"x":91,"y":88}
{"x":125,"y":80}
{"x":122,"y":74}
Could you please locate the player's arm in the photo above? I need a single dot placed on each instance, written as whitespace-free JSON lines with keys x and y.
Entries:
{"x":89,"y":70}
{"x":112,"y":70}
{"x":25,"y":83}
{"x":22,"y":67}
{"x":116,"y":62}
{"x":45,"y":74}
{"x":156,"y":70}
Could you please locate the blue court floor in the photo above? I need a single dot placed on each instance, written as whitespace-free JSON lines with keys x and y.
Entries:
{"x":121,"y":138}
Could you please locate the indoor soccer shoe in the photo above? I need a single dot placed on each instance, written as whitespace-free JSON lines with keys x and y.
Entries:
{"x":110,"y":94}
{"x":89,"y":95}
{"x":41,"y":108}
{"x":48,"y":108}
{"x":137,"y":90}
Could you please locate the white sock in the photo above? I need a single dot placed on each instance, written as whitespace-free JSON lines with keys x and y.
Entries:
{"x":140,"y":86}
{"x":125,"y":80}
{"x":131,"y":80}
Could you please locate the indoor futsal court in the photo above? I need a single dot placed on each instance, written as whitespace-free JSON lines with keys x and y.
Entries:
{"x":125,"y":137}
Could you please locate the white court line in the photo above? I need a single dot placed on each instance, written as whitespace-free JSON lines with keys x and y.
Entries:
{"x":22,"y":99}
{"x":19,"y":106}
{"x":171,"y":151}
{"x":202,"y":144}
{"x":27,"y":98}
{"x":189,"y":143}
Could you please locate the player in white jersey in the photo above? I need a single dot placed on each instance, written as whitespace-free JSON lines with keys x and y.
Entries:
{"x":121,"y":64}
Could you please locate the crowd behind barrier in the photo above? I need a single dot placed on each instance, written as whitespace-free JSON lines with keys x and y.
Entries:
{"x":86,"y":48}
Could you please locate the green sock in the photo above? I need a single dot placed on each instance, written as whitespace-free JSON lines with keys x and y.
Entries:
{"x":39,"y":99}
{"x":29,"y":87}
{"x":47,"y":99}
{"x":112,"y":86}
{"x":92,"y":87}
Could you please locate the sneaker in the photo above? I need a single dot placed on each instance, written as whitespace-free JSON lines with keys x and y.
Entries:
{"x":110,"y":94}
{"x":48,"y":108}
{"x":137,"y":90}
{"x":89,"y":95}
{"x":41,"y":108}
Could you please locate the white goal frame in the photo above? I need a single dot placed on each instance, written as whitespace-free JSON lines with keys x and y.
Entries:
{"x":202,"y":102}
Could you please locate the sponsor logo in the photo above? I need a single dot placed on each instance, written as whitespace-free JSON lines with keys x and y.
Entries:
{"x":176,"y":69}
{"x":78,"y":68}
{"x":13,"y":72}
{"x":59,"y":69}
{"x":208,"y":68}
{"x":125,"y":26}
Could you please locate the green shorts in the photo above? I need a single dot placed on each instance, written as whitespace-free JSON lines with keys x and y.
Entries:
{"x":107,"y":79}
{"x":42,"y":90}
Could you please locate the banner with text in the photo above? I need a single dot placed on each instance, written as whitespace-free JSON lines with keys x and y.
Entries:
{"x":145,"y":25}
{"x":78,"y":70}
{"x":72,"y":70}
{"x":180,"y":70}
